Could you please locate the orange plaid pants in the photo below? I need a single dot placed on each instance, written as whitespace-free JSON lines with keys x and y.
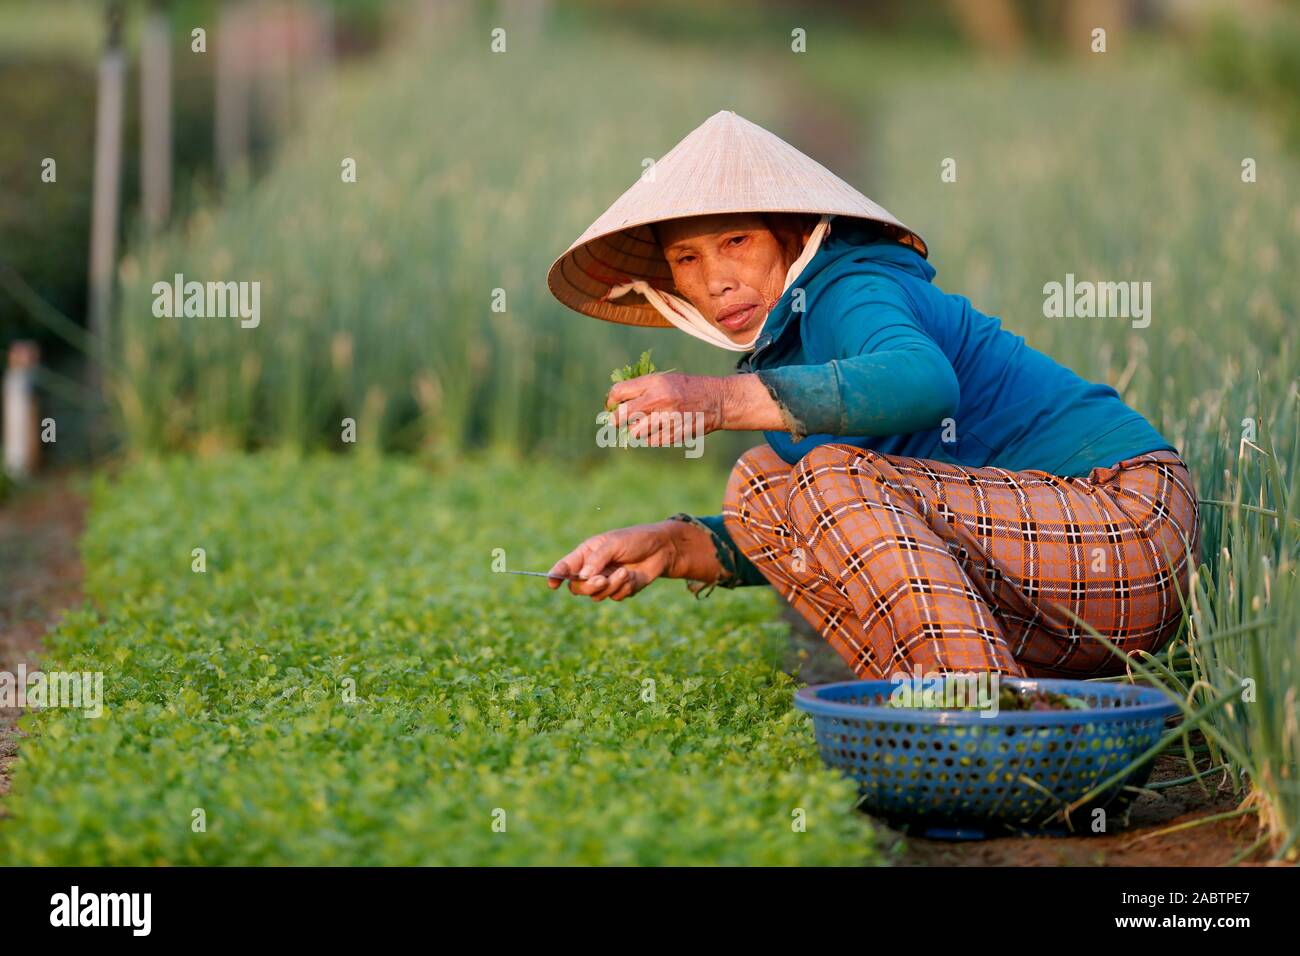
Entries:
{"x":906,"y":564}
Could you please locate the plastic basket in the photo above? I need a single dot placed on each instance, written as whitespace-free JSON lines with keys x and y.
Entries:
{"x":963,"y":774}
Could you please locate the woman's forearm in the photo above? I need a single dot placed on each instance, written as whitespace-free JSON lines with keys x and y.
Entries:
{"x":893,"y":392}
{"x":747,"y":405}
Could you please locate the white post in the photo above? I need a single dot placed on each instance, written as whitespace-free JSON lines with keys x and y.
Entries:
{"x":21,"y":421}
{"x":107,"y":182}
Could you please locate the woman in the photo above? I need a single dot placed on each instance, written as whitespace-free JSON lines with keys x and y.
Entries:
{"x":933,"y":495}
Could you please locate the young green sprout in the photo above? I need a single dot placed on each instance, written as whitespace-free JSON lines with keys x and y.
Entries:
{"x":644,"y":366}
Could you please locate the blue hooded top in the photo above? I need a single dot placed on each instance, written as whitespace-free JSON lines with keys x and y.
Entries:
{"x":881,"y":358}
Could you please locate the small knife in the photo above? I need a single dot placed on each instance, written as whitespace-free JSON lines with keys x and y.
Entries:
{"x":544,"y":574}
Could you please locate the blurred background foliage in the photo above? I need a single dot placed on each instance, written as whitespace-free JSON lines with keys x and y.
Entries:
{"x":48,"y":52}
{"x":377,"y":294}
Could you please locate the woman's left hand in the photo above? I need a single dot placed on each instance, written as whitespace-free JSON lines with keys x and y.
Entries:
{"x":661,"y":406}
{"x":734,"y":402}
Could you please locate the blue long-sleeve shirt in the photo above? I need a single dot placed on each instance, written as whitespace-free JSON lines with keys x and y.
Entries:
{"x":883,"y":359}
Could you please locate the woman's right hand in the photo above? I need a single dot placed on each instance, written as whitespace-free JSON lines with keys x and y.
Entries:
{"x":617,"y":564}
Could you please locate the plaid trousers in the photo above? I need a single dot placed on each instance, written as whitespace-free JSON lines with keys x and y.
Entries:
{"x":906,"y":564}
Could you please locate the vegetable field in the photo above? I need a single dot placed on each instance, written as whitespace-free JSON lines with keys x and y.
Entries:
{"x":659,"y":731}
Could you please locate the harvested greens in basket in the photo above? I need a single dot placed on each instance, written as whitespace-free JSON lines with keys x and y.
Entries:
{"x":1009,"y":699}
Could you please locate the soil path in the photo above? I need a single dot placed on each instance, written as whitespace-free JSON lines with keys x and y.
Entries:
{"x":40,"y":576}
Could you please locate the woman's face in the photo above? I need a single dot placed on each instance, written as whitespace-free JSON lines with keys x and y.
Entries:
{"x":730,"y":266}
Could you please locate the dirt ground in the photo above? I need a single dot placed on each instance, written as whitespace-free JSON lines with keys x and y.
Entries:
{"x":41,"y":573}
{"x":1211,"y":844}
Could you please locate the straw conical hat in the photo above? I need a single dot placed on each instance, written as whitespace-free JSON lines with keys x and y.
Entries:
{"x":728,"y":164}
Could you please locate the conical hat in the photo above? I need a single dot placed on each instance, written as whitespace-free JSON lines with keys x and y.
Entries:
{"x":727,"y":164}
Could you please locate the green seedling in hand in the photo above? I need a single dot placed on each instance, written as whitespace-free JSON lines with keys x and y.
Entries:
{"x":644,"y":366}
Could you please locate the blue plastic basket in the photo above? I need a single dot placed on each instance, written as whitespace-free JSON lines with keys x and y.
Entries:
{"x":959,"y":775}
